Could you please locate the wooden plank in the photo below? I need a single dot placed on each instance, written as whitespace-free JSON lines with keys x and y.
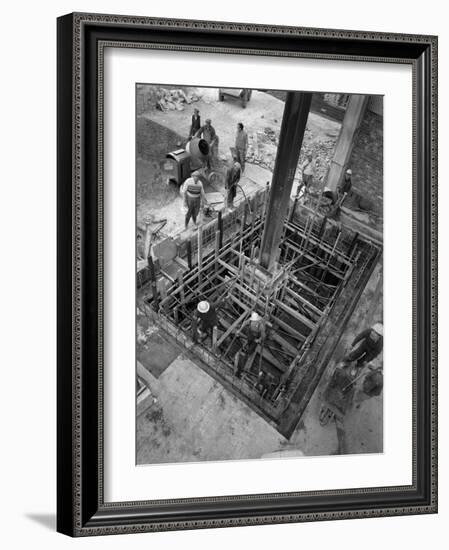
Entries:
{"x":232,"y":327}
{"x":295,"y":314}
{"x":302,"y":285}
{"x":220,"y":227}
{"x":319,"y":262}
{"x":272,"y":359}
{"x":273,"y":334}
{"x":281,"y":341}
{"x":180,"y":282}
{"x":217,"y":244}
{"x":323,"y":245}
{"x":301,"y":307}
{"x":200,"y":252}
{"x":265,"y":354}
{"x":189,"y":254}
{"x":305,"y":302}
{"x":153,"y":283}
{"x":294,"y":333}
{"x":182,"y":288}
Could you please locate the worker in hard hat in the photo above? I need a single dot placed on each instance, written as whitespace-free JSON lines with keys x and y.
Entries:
{"x":346,"y":183}
{"x":207,"y":318}
{"x":366,"y":346}
{"x":255,"y":332}
{"x":194,"y":195}
{"x":254,"y":329}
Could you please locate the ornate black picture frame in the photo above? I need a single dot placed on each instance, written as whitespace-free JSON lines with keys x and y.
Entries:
{"x":81,"y":510}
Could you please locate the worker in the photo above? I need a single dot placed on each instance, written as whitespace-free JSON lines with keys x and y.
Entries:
{"x":194,"y":195}
{"x":207,"y":317}
{"x":241,"y":145}
{"x":346,"y":183}
{"x":262,"y":383}
{"x":232,"y":179}
{"x":308,"y":173}
{"x":208,"y":133}
{"x":366,"y":346}
{"x":255,"y":331}
{"x":196,"y":123}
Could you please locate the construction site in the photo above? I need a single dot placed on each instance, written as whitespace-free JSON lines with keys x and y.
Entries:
{"x":248,"y":320}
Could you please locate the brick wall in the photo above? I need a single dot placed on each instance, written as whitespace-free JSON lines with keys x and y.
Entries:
{"x":366,"y":160}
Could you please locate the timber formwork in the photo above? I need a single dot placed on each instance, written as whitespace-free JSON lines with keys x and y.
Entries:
{"x":305,"y":301}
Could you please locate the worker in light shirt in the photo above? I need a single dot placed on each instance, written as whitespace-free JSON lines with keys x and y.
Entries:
{"x":308,"y":173}
{"x":194,"y":195}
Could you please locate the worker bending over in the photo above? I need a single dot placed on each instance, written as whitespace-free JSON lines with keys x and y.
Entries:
{"x":366,"y":346}
{"x":255,"y":331}
{"x":208,"y":133}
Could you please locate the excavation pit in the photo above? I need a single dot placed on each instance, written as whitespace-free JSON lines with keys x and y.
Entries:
{"x":305,"y":302}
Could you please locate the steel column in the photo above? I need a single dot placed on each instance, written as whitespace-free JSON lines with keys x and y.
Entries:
{"x":293,"y":126}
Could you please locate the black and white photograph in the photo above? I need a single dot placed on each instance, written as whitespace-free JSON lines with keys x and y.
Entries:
{"x":259,"y":273}
{"x":226,"y":335}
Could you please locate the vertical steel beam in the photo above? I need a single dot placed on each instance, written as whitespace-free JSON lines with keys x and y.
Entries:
{"x":345,"y":143}
{"x":296,"y":112}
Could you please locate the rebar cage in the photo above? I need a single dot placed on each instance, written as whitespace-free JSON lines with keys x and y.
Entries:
{"x":321,"y":270}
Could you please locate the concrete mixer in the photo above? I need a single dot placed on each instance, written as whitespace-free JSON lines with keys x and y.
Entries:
{"x":181,"y":163}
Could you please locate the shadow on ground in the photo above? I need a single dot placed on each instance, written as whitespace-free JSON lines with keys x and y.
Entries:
{"x":46,"y":520}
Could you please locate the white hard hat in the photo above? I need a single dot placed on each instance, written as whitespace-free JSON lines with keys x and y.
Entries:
{"x":349,"y":171}
{"x":379,"y":328}
{"x":203,"y":307}
{"x":255,"y":316}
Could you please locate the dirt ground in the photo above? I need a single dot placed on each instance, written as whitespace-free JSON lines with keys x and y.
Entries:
{"x":159,"y":133}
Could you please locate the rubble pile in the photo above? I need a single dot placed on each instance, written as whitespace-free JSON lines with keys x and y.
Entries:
{"x":270,"y":134}
{"x":262,"y":146}
{"x":322,"y":151}
{"x":174,"y":100}
{"x":165,"y":99}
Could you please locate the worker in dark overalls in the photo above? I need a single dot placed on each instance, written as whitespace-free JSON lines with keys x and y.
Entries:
{"x":366,"y":346}
{"x":196,"y":123}
{"x":193,"y":196}
{"x":233,"y":174}
{"x":346,"y":183}
{"x":208,"y":133}
{"x":207,"y":318}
